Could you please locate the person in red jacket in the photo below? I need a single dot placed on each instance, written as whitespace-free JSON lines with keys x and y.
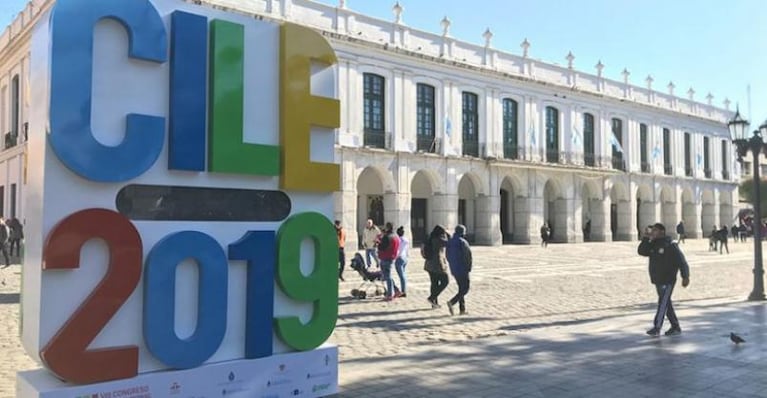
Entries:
{"x":388,"y":248}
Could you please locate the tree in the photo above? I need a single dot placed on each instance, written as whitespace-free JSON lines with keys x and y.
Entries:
{"x":747,"y":192}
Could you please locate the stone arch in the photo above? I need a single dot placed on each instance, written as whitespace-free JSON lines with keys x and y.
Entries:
{"x":467,"y":204}
{"x":708,"y":213}
{"x":620,"y":212}
{"x":555,"y":210}
{"x":372,"y":183}
{"x":592,"y":212}
{"x":422,"y":204}
{"x":645,"y":211}
{"x":514,"y":212}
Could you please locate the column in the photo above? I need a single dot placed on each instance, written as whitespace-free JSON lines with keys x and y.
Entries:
{"x":345,"y":207}
{"x":600,"y":221}
{"x":445,"y":210}
{"x":396,"y":209}
{"x":488,"y":222}
{"x":535,"y":214}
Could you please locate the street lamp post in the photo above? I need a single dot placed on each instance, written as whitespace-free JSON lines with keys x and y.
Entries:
{"x":739,"y":129}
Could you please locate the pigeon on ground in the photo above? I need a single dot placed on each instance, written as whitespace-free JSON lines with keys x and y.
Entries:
{"x":736,"y":339}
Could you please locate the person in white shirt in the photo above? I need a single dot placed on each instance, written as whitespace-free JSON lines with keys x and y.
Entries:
{"x":370,"y":236}
{"x":401,"y":262}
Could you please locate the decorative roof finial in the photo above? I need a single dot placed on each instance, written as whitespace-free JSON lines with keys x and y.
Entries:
{"x":691,"y":93}
{"x":570,"y":58}
{"x":525,"y":46}
{"x":671,"y":87}
{"x":488,"y":35}
{"x":341,"y":3}
{"x":397,"y":10}
{"x":445,"y":23}
{"x":599,"y":67}
{"x":710,"y":98}
{"x":727,"y":103}
{"x":626,"y":75}
{"x":649,"y":81}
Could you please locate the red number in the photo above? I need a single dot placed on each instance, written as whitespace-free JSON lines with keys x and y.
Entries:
{"x":67,"y":353}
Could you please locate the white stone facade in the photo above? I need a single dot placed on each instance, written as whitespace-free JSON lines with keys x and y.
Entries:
{"x":499,"y":199}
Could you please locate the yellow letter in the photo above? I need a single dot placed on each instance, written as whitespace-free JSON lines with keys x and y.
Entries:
{"x":299,"y":110}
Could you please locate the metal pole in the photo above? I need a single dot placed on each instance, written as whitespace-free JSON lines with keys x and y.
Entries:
{"x":758,"y":292}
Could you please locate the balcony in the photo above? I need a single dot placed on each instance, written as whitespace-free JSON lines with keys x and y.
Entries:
{"x":645,"y":167}
{"x":426,"y":144}
{"x":688,"y":171}
{"x":552,"y":156}
{"x":725,"y":175}
{"x":510,"y":151}
{"x":11,"y":140}
{"x":471,"y":148}
{"x":374,"y":139}
{"x":668,"y":169}
{"x":589,"y":159}
{"x":618,"y":163}
{"x":707,"y":173}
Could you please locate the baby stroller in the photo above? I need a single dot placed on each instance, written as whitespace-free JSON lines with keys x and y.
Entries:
{"x":370,"y":279}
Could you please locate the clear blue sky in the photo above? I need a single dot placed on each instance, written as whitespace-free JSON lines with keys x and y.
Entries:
{"x":710,"y":45}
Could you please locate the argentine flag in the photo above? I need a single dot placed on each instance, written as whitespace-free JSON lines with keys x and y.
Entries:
{"x":656,"y":152}
{"x":614,"y":141}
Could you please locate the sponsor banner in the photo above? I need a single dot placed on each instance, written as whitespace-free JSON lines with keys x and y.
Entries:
{"x":304,"y":374}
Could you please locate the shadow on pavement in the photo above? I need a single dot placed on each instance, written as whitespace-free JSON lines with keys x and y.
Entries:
{"x":617,"y":361}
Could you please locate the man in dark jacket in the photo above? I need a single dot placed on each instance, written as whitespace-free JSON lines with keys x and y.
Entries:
{"x":459,"y":259}
{"x":665,"y":261}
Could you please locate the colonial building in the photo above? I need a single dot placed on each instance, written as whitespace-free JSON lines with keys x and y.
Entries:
{"x":440,"y":131}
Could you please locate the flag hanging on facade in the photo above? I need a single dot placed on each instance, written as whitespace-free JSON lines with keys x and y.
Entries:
{"x":448,"y":125}
{"x":614,"y":141}
{"x":532,"y":135}
{"x":576,"y":136}
{"x":656,"y":152}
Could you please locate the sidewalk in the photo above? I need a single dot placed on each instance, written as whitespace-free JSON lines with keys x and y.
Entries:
{"x":602,"y":357}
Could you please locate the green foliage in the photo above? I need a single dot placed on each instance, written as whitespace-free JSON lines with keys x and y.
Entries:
{"x":747,"y":193}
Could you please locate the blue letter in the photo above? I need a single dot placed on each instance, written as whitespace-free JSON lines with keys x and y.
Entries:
{"x":71,"y":137}
{"x":160,"y":299}
{"x":258,"y":249}
{"x":188,"y":92}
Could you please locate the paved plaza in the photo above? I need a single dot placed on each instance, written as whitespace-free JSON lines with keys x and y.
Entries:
{"x":564,"y":321}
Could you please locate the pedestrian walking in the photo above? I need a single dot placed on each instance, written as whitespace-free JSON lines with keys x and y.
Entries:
{"x":680,"y":232}
{"x":665,"y":260}
{"x":734,"y":233}
{"x":723,"y":239}
{"x":370,"y":237}
{"x":434,"y":252}
{"x":341,"y":252}
{"x":4,"y":236}
{"x":16,"y":231}
{"x":388,"y":247}
{"x":545,"y":235}
{"x":460,"y":261}
{"x":713,"y":238}
{"x":401,"y":262}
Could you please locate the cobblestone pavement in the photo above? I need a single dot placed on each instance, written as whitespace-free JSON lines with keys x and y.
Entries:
{"x":517,"y":291}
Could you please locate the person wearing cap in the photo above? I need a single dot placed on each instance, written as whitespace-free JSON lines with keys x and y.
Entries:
{"x":459,"y":259}
{"x":665,"y":260}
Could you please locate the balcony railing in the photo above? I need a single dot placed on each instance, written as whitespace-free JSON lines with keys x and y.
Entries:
{"x":552,"y":156}
{"x":471,"y":148}
{"x":668,"y":169}
{"x":707,"y":173}
{"x":374,"y":139}
{"x":510,"y":151}
{"x":688,"y":171}
{"x":589,"y":159}
{"x":426,"y":144}
{"x":11,"y":140}
{"x":618,"y":163}
{"x":725,"y":175}
{"x":645,"y":167}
